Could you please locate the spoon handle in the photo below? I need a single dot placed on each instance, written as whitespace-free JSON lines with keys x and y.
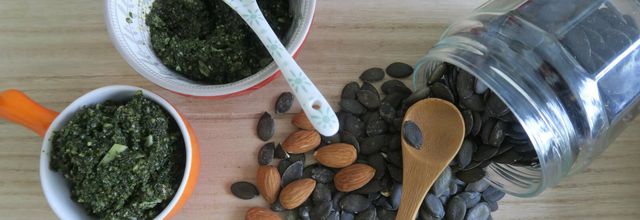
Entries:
{"x":313,"y":103}
{"x":414,"y":187}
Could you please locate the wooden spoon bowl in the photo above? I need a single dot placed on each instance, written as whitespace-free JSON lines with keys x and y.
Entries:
{"x":443,"y":131}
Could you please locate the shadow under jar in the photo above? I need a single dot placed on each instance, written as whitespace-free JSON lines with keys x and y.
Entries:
{"x":568,"y":70}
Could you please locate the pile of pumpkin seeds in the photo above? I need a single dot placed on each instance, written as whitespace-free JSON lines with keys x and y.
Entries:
{"x":371,"y":121}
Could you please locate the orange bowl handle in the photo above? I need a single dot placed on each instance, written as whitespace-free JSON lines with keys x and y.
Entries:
{"x":16,"y":107}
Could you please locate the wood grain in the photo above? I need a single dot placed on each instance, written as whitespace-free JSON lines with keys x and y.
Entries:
{"x":58,"y":50}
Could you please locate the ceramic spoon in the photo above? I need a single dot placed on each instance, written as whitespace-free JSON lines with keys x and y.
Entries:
{"x":316,"y":107}
{"x":442,"y":129}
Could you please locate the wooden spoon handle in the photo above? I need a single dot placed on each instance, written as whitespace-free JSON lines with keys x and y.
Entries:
{"x":414,"y":187}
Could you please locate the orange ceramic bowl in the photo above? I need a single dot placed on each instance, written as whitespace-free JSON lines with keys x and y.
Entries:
{"x":18,"y":108}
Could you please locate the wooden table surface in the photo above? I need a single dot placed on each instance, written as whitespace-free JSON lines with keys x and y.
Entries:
{"x":56,"y":51}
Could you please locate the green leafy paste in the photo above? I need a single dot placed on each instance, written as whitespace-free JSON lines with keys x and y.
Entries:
{"x":206,"y":41}
{"x":122,"y":160}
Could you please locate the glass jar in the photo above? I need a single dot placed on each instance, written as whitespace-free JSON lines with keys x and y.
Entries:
{"x":569,"y":70}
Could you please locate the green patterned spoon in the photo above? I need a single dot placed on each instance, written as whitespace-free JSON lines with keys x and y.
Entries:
{"x":313,"y":103}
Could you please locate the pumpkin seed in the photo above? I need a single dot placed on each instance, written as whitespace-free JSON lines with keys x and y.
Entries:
{"x":412,"y":134}
{"x":349,"y":138}
{"x":334,"y":215}
{"x":321,"y":193}
{"x":291,"y":215}
{"x":372,"y":75}
{"x":327,"y":140}
{"x":384,"y":214}
{"x":441,"y":185}
{"x":473,"y":102}
{"x":395,"y":99}
{"x":303,"y":212}
{"x":244,"y":190}
{"x":321,"y":174}
{"x":487,"y":130}
{"x":283,"y":165}
{"x":492,"y":194}
{"x":395,"y":86}
{"x":368,"y":99}
{"x":373,"y":144}
{"x":280,"y":153}
{"x":370,"y":87}
{"x":451,"y":79}
{"x":352,"y":106}
{"x":354,"y":203}
{"x":456,"y":209}
{"x":395,"y":173}
{"x":493,"y":206}
{"x":465,"y":154}
{"x":433,"y":206}
{"x":441,"y":91}
{"x":485,"y":152}
{"x":399,"y":70}
{"x":496,"y":107}
{"x":467,"y":115}
{"x":349,"y":91}
{"x":344,"y":215}
{"x":284,"y":102}
{"x":376,"y":127}
{"x":472,"y":175}
{"x":373,"y":186}
{"x":454,"y":188}
{"x":470,"y":198}
{"x":395,"y":143}
{"x":387,"y":112}
{"x":395,"y":158}
{"x":421,"y":94}
{"x":378,"y":162}
{"x":266,"y":153}
{"x":509,"y":157}
{"x":353,"y":125}
{"x":369,"y":214}
{"x":480,"y":211}
{"x":478,"y":186}
{"x":266,"y":127}
{"x":438,"y":72}
{"x":335,"y":201}
{"x":504,"y":148}
{"x":464,"y":84}
{"x":497,"y":134}
{"x":292,"y":173}
{"x":321,"y":210}
{"x":477,"y":123}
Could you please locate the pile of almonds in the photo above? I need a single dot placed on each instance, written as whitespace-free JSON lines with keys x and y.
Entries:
{"x":289,"y":188}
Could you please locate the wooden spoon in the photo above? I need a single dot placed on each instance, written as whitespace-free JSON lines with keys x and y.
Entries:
{"x":442,"y":129}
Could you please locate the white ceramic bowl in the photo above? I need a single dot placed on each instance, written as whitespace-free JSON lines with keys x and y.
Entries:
{"x":127,"y":28}
{"x":18,"y":108}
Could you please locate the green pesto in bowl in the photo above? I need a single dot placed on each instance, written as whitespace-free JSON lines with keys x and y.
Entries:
{"x":206,"y":41}
{"x":122,"y":160}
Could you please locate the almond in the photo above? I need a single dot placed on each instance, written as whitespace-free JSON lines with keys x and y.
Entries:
{"x":261,"y":214}
{"x":268,"y":182}
{"x":301,"y":142}
{"x":336,"y":155}
{"x":294,"y":194}
{"x":301,"y":121}
{"x":353,"y":177}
